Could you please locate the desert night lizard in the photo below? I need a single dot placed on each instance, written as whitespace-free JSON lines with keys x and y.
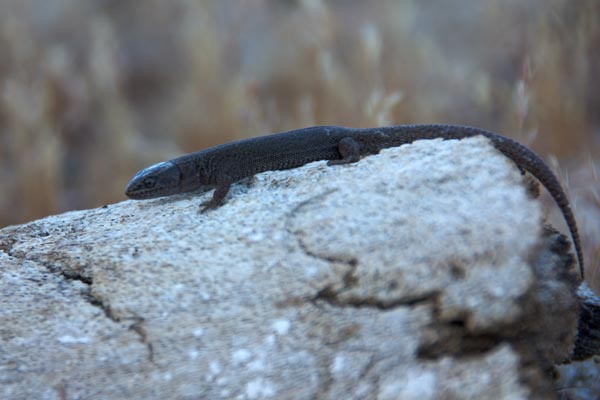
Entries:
{"x":220,"y":166}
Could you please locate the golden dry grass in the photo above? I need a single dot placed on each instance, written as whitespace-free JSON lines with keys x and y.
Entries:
{"x":92,"y":91}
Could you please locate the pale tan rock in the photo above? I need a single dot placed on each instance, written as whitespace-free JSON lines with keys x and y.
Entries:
{"x":406,"y":275}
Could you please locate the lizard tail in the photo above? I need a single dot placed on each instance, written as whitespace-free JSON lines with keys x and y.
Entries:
{"x":534,"y":164}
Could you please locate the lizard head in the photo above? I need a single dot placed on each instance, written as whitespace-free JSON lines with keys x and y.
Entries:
{"x":162,"y":179}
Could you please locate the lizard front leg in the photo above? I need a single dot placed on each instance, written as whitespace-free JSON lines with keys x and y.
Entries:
{"x":218,"y":197}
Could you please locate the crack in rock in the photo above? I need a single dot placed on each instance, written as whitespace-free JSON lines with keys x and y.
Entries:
{"x":458,"y":343}
{"x":350,"y":261}
{"x":349,"y":278}
{"x":140,"y":330}
{"x":6,"y":246}
{"x":326,"y":378}
{"x":332,"y":297}
{"x":138,"y":322}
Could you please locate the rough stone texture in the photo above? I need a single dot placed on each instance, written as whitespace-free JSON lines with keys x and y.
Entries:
{"x":581,"y":380}
{"x":588,"y":338}
{"x":420,"y":273}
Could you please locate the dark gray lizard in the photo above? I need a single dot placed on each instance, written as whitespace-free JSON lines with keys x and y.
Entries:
{"x":220,"y":166}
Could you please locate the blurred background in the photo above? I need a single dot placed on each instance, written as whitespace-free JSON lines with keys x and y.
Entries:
{"x":92,"y":91}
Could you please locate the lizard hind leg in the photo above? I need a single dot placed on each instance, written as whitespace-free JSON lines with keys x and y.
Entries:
{"x":349,"y":149}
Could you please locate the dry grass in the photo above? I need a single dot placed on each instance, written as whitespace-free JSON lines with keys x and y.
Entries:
{"x":92,"y":91}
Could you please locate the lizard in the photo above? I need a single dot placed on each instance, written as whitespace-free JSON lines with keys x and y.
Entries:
{"x":220,"y":166}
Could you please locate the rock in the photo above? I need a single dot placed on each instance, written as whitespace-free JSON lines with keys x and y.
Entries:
{"x":587,"y":343}
{"x":420,"y":273}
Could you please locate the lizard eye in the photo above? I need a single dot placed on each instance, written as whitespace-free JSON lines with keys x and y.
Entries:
{"x":149,"y":182}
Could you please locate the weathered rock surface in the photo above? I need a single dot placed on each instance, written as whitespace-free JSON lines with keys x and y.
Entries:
{"x":420,"y":273}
